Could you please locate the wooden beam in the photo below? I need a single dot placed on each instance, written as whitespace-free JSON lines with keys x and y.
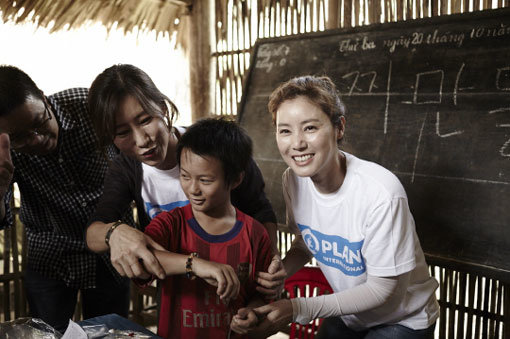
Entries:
{"x":400,"y":11}
{"x":200,"y":59}
{"x":333,"y":14}
{"x":180,"y":2}
{"x":347,"y":13}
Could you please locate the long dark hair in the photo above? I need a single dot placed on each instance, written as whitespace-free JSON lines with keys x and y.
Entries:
{"x":109,"y":90}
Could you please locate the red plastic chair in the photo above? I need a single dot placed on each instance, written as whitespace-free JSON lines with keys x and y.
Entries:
{"x":307,"y":282}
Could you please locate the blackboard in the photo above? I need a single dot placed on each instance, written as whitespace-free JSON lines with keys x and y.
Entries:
{"x":428,"y":99}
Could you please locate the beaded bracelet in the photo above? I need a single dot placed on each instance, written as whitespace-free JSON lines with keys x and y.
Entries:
{"x":189,"y":263}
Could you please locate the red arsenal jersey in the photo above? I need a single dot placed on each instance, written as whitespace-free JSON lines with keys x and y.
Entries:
{"x":191,"y":308}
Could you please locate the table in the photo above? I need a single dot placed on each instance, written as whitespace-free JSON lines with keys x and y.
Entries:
{"x":115,"y":321}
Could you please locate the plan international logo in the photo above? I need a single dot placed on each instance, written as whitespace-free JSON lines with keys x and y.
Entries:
{"x":154,"y":210}
{"x":334,"y":251}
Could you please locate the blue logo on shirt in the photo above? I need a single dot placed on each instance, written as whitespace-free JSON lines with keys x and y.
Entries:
{"x":334,"y":251}
{"x":154,"y":210}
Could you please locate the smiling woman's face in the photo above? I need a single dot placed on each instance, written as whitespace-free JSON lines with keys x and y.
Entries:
{"x":142,"y":135}
{"x":306,"y":138}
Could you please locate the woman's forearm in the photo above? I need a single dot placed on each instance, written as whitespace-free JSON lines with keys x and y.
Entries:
{"x":297,"y":256}
{"x":95,"y":236}
{"x":375,"y":292}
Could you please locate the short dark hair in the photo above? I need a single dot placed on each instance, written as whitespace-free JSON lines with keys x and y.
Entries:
{"x":109,"y":90}
{"x":318,"y":89}
{"x":15,"y":87}
{"x":221,"y":139}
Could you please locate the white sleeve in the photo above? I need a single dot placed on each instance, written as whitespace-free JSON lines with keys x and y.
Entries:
{"x":389,"y":245}
{"x":375,"y":292}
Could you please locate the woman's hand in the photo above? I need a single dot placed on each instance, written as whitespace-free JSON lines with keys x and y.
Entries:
{"x":273,"y":317}
{"x":244,"y":321}
{"x":131,"y":255}
{"x":221,"y":275}
{"x":271,"y":282}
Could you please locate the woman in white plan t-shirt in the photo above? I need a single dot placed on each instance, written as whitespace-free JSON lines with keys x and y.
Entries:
{"x":353,"y":216}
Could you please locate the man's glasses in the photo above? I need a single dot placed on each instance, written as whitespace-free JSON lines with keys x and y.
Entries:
{"x":20,"y":140}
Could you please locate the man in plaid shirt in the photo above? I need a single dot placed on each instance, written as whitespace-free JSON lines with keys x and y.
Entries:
{"x":47,"y":146}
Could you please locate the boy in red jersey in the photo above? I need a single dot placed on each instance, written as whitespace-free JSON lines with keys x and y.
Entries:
{"x":209,"y":238}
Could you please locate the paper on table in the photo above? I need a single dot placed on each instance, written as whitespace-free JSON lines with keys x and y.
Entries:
{"x":74,"y":331}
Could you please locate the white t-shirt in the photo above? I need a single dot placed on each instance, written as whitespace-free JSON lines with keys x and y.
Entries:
{"x":365,"y":227}
{"x":161,"y":189}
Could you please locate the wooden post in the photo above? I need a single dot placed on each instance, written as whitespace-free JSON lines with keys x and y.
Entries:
{"x":333,"y":14}
{"x":200,"y":59}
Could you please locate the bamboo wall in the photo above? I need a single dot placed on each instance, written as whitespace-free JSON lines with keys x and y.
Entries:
{"x":472,"y":305}
{"x":12,"y":256}
{"x":239,"y":23}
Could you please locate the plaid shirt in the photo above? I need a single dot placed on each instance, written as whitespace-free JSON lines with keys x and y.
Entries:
{"x":59,"y":192}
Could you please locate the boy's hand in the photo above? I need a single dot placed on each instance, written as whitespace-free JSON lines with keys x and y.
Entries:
{"x":271,"y":283}
{"x":244,"y":321}
{"x":221,"y":275}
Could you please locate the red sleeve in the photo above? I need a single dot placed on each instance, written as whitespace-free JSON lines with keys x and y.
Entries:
{"x":261,"y":245}
{"x":165,"y":229}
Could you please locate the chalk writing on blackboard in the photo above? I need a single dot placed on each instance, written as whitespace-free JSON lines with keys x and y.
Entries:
{"x":356,"y":75}
{"x":426,"y":90}
{"x":357,"y":44}
{"x":482,"y":32}
{"x":433,"y":78}
{"x":269,"y":57}
{"x":416,"y":152}
{"x":418,"y":38}
{"x":387,"y":105}
{"x":456,"y":88}
{"x":505,"y":149}
{"x":444,"y":135}
{"x":500,"y":110}
{"x":503,"y":79}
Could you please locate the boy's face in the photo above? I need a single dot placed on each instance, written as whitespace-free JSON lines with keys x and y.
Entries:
{"x":203,"y":181}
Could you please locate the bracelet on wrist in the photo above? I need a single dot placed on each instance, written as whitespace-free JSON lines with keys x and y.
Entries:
{"x":189,"y":266}
{"x":110,"y":231}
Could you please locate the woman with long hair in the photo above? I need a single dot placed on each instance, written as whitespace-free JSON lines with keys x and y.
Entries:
{"x":128,"y":110}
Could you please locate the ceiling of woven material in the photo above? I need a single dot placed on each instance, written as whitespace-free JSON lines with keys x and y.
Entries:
{"x":143,"y":15}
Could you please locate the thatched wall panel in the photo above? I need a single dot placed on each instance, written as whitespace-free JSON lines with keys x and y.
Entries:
{"x":129,"y":15}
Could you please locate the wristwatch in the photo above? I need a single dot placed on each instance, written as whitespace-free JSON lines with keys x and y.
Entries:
{"x":110,"y":231}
